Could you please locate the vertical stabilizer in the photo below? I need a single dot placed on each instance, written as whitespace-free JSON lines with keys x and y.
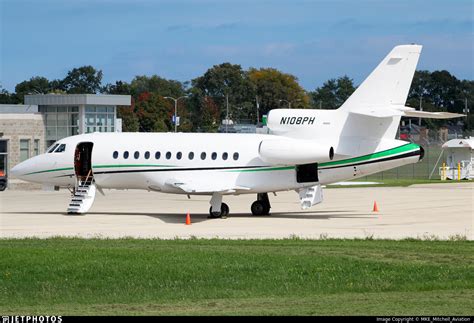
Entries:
{"x":389,"y":83}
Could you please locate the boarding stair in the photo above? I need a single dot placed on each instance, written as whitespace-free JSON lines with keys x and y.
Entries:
{"x":83,"y":196}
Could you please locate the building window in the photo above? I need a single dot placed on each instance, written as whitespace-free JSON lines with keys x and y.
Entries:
{"x":36,"y":147}
{"x":60,"y":122}
{"x":100,"y":119}
{"x":24,"y":149}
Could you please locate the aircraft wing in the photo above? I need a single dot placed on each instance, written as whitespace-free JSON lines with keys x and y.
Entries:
{"x":204,"y":187}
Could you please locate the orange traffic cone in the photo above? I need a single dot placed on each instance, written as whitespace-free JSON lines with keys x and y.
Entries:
{"x":376,"y":209}
{"x":188,"y":219}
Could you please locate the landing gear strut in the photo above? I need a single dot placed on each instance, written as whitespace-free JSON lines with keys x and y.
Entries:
{"x":262,"y":205}
{"x":218,"y":209}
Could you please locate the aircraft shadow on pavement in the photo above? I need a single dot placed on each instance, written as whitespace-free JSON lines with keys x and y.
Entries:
{"x":203,"y":217}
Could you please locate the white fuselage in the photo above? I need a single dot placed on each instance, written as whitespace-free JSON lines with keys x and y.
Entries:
{"x":226,"y":163}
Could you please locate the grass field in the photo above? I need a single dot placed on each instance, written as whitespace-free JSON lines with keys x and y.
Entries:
{"x":209,"y":277}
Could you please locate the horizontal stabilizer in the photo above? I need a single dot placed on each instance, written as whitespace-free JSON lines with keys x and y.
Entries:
{"x":398,"y":110}
{"x":432,"y":115}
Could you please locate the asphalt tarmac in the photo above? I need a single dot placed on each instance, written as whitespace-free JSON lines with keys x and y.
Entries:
{"x":432,"y":211}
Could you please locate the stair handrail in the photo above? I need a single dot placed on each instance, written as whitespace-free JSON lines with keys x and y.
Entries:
{"x":88,"y":174}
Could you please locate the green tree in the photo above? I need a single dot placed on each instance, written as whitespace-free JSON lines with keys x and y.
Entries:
{"x":333,"y":93}
{"x":228,"y":80}
{"x":156,"y":84}
{"x":271,"y":86}
{"x":129,"y":118}
{"x":35,"y":85}
{"x":119,"y":87}
{"x":7,"y":97}
{"x":85,"y":79}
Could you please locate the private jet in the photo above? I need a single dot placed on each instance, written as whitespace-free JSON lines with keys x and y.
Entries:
{"x":302,"y":150}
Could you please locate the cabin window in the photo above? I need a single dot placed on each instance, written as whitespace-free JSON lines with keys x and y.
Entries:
{"x":191,"y":155}
{"x":61,"y":148}
{"x":136,"y":155}
{"x":203,"y":155}
{"x":236,"y":156}
{"x":225,"y":156}
{"x":179,"y":155}
{"x":157,"y":155}
{"x":214,"y":156}
{"x":115,"y":154}
{"x":168,"y":155}
{"x":147,"y":155}
{"x":125,"y":154}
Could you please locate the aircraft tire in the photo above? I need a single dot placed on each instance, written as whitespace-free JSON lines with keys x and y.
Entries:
{"x":222,"y":214}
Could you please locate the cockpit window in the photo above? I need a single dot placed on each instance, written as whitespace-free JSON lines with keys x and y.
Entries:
{"x":53,"y":147}
{"x":61,"y":148}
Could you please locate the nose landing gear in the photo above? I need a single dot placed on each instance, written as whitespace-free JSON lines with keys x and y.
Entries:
{"x":218,"y":209}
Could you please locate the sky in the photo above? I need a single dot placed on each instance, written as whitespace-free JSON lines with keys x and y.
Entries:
{"x":313,"y":40}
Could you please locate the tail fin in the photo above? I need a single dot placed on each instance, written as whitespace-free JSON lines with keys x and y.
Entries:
{"x":389,"y":83}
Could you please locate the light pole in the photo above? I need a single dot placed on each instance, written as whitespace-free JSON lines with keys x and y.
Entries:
{"x":289,"y":102}
{"x":175,"y":109}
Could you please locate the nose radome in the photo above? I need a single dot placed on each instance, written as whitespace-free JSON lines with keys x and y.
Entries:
{"x":25,"y":167}
{"x":18,"y":170}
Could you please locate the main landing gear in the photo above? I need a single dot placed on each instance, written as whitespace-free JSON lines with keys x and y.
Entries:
{"x":221,"y":210}
{"x":262,"y":205}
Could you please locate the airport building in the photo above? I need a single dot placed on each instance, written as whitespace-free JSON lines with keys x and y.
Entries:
{"x":28,"y":130}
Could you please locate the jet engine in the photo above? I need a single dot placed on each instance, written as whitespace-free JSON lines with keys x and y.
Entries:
{"x":294,"y":152}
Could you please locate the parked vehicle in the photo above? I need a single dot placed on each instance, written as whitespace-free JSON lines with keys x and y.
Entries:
{"x":3,"y":181}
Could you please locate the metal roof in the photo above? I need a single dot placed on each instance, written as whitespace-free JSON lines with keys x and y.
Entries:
{"x":460,"y":143}
{"x":78,"y":99}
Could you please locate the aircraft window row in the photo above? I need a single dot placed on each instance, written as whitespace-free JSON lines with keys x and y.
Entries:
{"x":168,"y":155}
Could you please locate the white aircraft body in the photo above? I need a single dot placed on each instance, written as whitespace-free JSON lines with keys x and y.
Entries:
{"x":303,"y":150}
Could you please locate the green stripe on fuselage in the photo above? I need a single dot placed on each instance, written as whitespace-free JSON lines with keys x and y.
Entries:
{"x":51,"y":170}
{"x":385,"y":153}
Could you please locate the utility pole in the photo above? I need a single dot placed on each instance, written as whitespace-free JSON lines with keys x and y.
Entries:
{"x":421,"y":109}
{"x":256,"y":100}
{"x":466,"y":111}
{"x":175,"y":109}
{"x":227,"y":111}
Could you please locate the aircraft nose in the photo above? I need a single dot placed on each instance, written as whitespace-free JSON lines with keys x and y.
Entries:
{"x":23,"y":168}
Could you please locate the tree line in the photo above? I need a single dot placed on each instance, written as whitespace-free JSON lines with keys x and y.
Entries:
{"x":246,"y":92}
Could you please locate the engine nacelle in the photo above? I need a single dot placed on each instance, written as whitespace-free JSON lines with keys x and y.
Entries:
{"x":294,"y":151}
